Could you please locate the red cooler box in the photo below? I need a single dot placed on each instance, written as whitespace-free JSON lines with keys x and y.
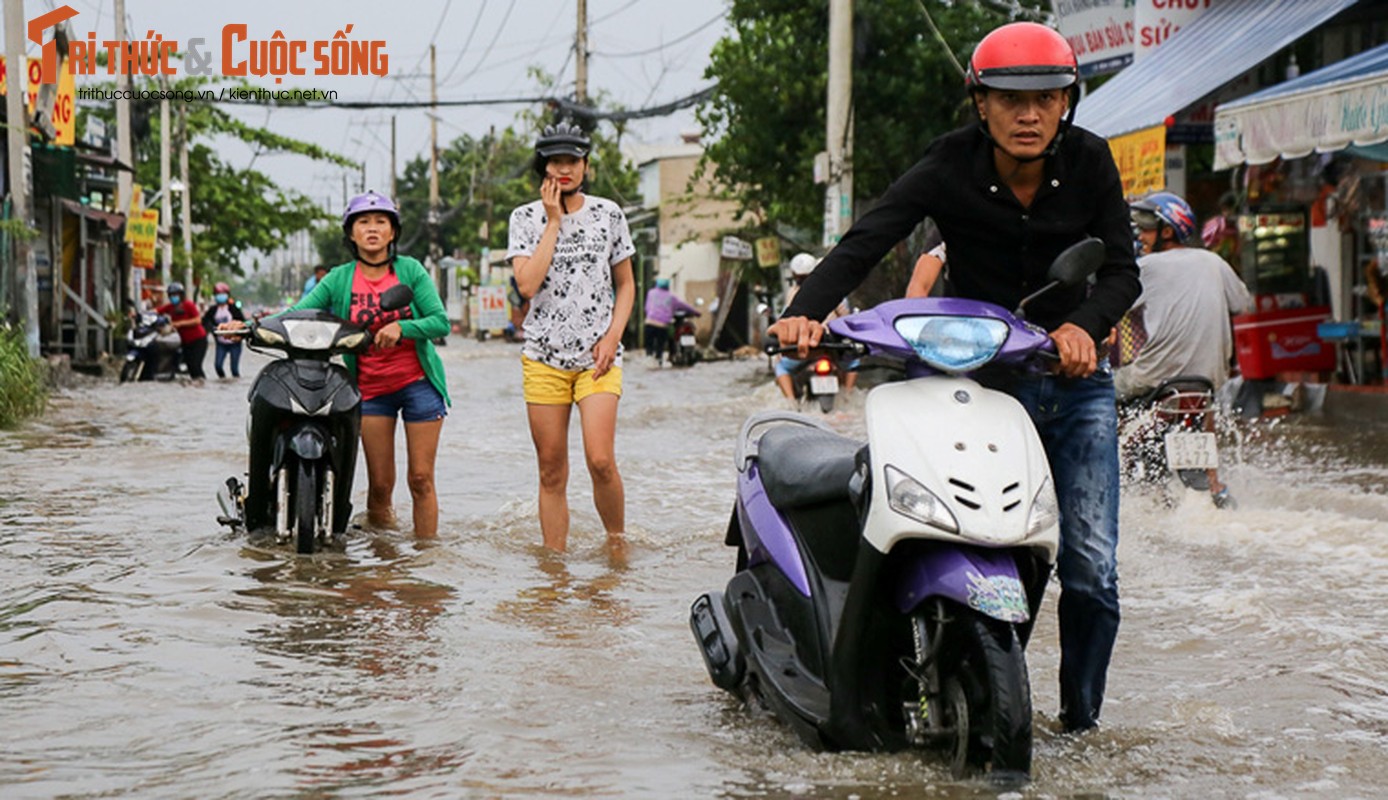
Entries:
{"x":1269,"y":342}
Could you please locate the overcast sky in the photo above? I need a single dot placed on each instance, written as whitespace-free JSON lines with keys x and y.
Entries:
{"x":642,"y":53}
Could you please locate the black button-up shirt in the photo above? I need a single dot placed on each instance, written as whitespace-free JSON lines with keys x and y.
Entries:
{"x":999,"y":250}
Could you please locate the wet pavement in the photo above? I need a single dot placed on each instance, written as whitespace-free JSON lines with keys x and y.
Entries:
{"x":147,"y":652}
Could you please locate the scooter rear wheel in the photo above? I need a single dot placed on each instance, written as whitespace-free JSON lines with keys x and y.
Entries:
{"x":306,"y":502}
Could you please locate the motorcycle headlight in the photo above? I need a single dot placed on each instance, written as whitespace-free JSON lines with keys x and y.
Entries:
{"x":908,"y":497}
{"x":266,"y":336}
{"x":953,"y":344}
{"x":311,"y":334}
{"x":1045,"y":510}
{"x":352,"y":340}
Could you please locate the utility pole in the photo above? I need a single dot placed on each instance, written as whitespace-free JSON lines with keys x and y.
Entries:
{"x":125,"y":153}
{"x":186,"y":220}
{"x":434,"y":250}
{"x":26,"y":287}
{"x":838,"y":196}
{"x":392,"y":158}
{"x":166,"y":192}
{"x":581,"y":54}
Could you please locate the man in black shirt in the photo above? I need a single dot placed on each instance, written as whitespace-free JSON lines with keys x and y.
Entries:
{"x":1008,"y":195}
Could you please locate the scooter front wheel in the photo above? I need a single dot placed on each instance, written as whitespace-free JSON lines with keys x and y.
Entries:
{"x":306,"y":503}
{"x":987,"y":683}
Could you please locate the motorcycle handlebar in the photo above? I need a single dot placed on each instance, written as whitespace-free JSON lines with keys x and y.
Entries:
{"x":774,"y":347}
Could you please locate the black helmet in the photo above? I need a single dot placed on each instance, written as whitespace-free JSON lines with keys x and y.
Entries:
{"x":565,"y":139}
{"x":174,"y":287}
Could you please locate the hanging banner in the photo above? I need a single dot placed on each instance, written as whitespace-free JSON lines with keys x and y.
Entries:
{"x":144,"y":233}
{"x":63,"y":114}
{"x":768,"y":251}
{"x":1141,"y":160}
{"x":1099,"y":31}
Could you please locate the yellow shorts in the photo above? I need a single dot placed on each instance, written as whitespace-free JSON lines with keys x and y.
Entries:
{"x":550,"y":386}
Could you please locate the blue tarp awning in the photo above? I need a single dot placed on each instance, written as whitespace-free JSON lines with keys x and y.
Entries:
{"x":1343,"y":105}
{"x":1228,"y":40}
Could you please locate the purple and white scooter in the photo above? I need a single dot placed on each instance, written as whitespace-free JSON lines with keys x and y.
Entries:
{"x":884,"y":591}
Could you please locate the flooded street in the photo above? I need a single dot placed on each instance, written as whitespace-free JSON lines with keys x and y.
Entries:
{"x":147,"y":652}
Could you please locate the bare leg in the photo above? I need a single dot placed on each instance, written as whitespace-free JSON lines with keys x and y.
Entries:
{"x":598,"y":415}
{"x":549,"y":429}
{"x":787,"y":387}
{"x":378,"y":445}
{"x":422,"y":444}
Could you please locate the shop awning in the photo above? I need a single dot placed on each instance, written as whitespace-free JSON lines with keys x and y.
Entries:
{"x":1228,"y":40}
{"x":1330,"y":109}
{"x":112,"y":221}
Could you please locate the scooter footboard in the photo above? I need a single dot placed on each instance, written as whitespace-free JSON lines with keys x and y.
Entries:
{"x":987,"y":581}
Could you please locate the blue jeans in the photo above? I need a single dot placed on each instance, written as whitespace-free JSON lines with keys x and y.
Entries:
{"x":1078,"y":423}
{"x":224,"y":350}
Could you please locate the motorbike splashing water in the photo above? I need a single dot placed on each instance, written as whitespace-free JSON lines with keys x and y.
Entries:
{"x":884,"y":590}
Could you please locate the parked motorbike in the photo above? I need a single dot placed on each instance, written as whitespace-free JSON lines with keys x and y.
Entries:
{"x":684,"y":350}
{"x":305,"y":416}
{"x":1164,"y":433}
{"x":151,"y":349}
{"x":884,"y":591}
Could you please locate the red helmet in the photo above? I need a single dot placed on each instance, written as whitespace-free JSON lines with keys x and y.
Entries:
{"x":1022,"y":56}
{"x":221,"y":287}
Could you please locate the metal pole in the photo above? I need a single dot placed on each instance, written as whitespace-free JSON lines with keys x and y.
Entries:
{"x":166,"y":196}
{"x":581,"y":54}
{"x":125,"y":153}
{"x":393,"y":196}
{"x":186,"y":219}
{"x":26,"y":289}
{"x":838,"y":197}
{"x":434,"y":250}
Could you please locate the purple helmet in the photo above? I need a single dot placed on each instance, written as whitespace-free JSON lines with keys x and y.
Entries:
{"x":371,"y":201}
{"x":1164,"y":207}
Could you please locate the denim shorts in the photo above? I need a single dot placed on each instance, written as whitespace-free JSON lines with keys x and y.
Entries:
{"x":418,"y":402}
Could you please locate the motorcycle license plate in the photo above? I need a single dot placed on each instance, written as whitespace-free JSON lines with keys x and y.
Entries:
{"x":1191,"y":451}
{"x":687,"y":340}
{"x":824,"y":384}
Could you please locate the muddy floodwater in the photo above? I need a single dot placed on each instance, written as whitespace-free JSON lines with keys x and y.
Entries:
{"x":147,"y":652}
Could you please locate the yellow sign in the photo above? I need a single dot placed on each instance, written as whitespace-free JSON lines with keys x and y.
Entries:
{"x":768,"y":251}
{"x":64,"y":111}
{"x":1141,"y":160}
{"x":144,"y":233}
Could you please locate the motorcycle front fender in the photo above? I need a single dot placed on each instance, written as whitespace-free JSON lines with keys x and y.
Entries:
{"x":309,"y":443}
{"x":985,"y":580}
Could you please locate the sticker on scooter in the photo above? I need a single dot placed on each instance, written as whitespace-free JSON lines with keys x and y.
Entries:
{"x":998,"y":596}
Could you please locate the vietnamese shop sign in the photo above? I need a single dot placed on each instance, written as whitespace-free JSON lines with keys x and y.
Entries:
{"x":1108,"y":35}
{"x":1296,"y":124}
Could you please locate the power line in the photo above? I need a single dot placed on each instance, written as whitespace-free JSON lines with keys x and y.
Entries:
{"x":476,"y":23}
{"x":492,"y":43}
{"x":658,"y":48}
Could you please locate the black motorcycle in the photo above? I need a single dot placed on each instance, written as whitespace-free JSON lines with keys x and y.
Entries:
{"x":305,"y":417}
{"x":817,"y":379}
{"x":1166,"y":433}
{"x":151,"y":349}
{"x":684,"y":350}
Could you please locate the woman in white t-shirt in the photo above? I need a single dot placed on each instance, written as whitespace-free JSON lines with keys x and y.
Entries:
{"x":571,"y":253}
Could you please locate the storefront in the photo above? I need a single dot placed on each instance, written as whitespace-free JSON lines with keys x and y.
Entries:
{"x":1320,"y":141}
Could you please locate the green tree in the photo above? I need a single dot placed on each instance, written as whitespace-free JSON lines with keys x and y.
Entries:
{"x":766,"y":119}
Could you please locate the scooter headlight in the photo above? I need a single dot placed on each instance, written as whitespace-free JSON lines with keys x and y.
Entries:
{"x":953,"y":344}
{"x":264,"y":335}
{"x":1045,"y":510}
{"x":908,"y":497}
{"x":311,"y":334}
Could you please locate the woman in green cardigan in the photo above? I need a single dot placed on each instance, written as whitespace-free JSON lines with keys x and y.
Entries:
{"x":401,"y":374}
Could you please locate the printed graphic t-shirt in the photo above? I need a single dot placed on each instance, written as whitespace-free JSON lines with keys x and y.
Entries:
{"x":573,"y":307}
{"x":382,"y":371}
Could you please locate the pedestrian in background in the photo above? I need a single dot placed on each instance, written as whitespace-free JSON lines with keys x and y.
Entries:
{"x":192,"y":336}
{"x":571,"y":253}
{"x":224,"y":309}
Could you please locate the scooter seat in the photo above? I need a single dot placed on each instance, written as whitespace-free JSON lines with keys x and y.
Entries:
{"x":805,"y":466}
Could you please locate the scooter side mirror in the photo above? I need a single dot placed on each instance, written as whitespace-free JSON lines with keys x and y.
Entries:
{"x":1072,"y":267}
{"x":1077,"y":262}
{"x":396,"y":297}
